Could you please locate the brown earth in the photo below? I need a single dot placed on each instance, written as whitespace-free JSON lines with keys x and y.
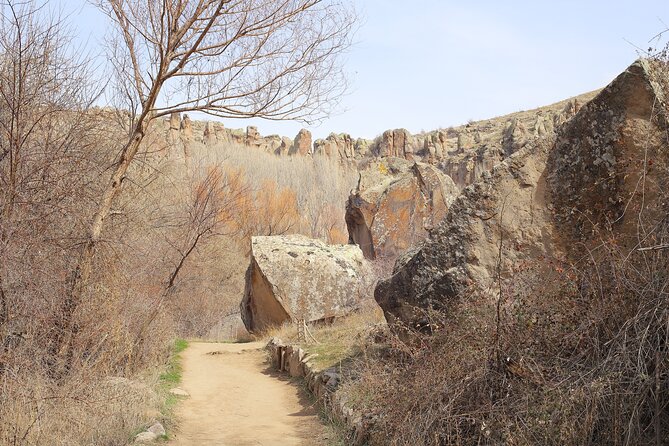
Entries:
{"x":235,"y":399}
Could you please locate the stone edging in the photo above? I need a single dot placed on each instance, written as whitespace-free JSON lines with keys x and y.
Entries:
{"x":323,"y":385}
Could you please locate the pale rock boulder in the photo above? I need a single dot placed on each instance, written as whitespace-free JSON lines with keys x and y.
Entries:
{"x":294,"y":277}
{"x":157,"y":428}
{"x":394,"y":205}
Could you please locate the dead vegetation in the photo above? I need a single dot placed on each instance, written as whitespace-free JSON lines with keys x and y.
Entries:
{"x":336,"y":342}
{"x":110,"y":247}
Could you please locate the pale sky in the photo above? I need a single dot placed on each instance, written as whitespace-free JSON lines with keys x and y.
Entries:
{"x":426,"y":64}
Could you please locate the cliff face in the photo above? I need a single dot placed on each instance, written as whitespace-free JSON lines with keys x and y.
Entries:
{"x":606,"y":165}
{"x":395,"y":204}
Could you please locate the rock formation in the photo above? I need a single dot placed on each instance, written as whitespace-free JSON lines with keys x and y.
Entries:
{"x":463,"y":153}
{"x":186,"y":127}
{"x":252,"y":136}
{"x":609,"y":163}
{"x":302,"y":145}
{"x":542,"y":199}
{"x":397,"y":143}
{"x":340,"y":145}
{"x":209,"y":137}
{"x":396,"y":202}
{"x":515,"y":137}
{"x":295,"y":277}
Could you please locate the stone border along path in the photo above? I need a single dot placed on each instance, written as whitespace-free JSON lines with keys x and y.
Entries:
{"x":237,"y":399}
{"x":295,"y":362}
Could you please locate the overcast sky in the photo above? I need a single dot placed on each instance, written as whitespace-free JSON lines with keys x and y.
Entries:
{"x":426,"y":64}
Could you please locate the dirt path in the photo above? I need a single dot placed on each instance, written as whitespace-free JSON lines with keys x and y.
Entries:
{"x":236,"y":400}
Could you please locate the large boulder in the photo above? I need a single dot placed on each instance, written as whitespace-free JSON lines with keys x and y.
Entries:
{"x":507,"y":204}
{"x":608,"y":170}
{"x":394,"y":205}
{"x":547,"y":200}
{"x":294,"y":277}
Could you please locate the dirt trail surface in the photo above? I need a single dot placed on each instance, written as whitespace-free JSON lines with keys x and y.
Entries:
{"x":237,"y":400}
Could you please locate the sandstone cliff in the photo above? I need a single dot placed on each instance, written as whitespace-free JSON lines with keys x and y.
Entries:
{"x":394,"y":205}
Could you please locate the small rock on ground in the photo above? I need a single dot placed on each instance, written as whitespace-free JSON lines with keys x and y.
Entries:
{"x":179,"y":392}
{"x":157,"y":429}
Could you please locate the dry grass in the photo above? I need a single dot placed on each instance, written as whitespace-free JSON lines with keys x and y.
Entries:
{"x":577,"y":367}
{"x":336,"y":342}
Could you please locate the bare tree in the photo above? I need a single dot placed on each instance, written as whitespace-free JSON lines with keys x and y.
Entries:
{"x":208,"y":213}
{"x":45,"y":95}
{"x":227,"y":58}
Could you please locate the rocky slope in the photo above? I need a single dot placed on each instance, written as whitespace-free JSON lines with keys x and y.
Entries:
{"x":554,"y":192}
{"x":464,"y":153}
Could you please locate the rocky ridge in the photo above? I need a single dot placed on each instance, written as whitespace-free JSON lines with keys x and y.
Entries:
{"x":462,"y":152}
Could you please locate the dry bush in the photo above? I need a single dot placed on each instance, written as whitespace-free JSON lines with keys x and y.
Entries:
{"x":95,"y":283}
{"x":335,"y":342}
{"x":573,"y":363}
{"x":316,"y":189}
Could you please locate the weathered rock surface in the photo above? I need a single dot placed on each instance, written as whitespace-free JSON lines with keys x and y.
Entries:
{"x":610,"y":161}
{"x":295,"y":277}
{"x":541,"y":199}
{"x":397,"y":143}
{"x":186,"y":127}
{"x":463,"y":249}
{"x":515,"y":136}
{"x":396,"y":202}
{"x":463,"y":152}
{"x":177,"y":391}
{"x":303,"y":143}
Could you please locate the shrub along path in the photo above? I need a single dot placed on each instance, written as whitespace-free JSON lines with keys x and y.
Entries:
{"x":235,"y":399}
